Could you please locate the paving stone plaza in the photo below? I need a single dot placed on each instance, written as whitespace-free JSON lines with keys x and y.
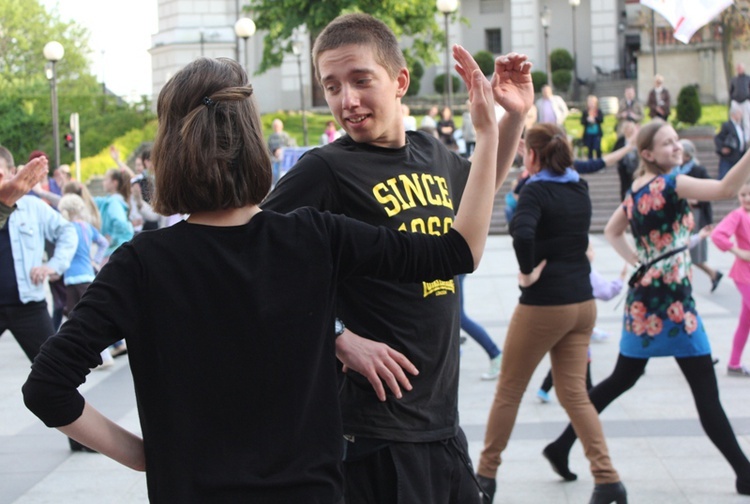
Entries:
{"x":654,"y":436}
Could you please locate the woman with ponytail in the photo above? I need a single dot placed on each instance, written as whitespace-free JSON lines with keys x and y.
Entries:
{"x":556,"y":311}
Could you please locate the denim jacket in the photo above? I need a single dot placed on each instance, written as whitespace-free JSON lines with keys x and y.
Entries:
{"x":29,"y":225}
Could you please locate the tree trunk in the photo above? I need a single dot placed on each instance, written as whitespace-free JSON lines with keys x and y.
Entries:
{"x":727,"y":45}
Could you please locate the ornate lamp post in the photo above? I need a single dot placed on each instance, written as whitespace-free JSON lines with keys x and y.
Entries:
{"x":54,"y":52}
{"x":447,"y":7}
{"x":573,"y":5}
{"x":244,"y":28}
{"x":545,"y":17}
{"x":297,"y":47}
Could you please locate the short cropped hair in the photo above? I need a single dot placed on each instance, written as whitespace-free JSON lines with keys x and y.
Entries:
{"x":209,"y":152}
{"x":8,"y":157}
{"x":364,"y":30}
{"x":551,"y":145}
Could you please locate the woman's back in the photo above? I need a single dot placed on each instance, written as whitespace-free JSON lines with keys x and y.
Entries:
{"x":552,"y":222}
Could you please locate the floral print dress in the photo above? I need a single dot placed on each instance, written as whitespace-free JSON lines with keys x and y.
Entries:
{"x":660,"y":317}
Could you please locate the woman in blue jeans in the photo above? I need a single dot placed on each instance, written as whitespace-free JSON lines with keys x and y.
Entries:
{"x":479,"y":335}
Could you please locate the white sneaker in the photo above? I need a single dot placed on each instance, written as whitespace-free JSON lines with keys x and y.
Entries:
{"x":598,"y":335}
{"x":494,"y":371}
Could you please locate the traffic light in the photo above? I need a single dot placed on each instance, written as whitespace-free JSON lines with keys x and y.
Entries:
{"x":70,"y":141}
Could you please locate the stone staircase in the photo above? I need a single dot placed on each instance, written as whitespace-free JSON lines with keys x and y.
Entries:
{"x":604,"y":189}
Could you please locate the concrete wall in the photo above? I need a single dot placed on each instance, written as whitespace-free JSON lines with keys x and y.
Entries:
{"x":682,"y":65}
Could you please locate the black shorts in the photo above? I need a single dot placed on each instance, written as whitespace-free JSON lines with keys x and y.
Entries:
{"x":439,"y":472}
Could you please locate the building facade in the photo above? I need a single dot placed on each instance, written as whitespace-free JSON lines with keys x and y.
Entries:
{"x":603,"y":35}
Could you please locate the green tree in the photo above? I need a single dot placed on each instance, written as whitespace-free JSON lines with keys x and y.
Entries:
{"x":414,"y":19}
{"x":25,"y":27}
{"x":25,"y":108}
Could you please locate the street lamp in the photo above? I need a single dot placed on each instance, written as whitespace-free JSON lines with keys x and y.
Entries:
{"x":447,"y":7}
{"x":54,"y":52}
{"x":297,"y":46}
{"x":573,"y":5}
{"x":545,"y":17}
{"x":244,"y":28}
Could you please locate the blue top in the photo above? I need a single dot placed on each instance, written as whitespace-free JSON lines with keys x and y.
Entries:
{"x":115,"y":223}
{"x":81,"y":270}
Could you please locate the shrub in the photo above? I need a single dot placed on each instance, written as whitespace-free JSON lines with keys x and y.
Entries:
{"x":414,"y":84}
{"x":486,"y":62}
{"x":417,"y":69}
{"x":539,"y":79}
{"x":561,"y":79}
{"x":439,"y":83}
{"x":688,"y":104}
{"x":560,"y":59}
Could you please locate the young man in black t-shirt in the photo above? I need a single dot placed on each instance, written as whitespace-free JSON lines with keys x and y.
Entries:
{"x":400,"y":449}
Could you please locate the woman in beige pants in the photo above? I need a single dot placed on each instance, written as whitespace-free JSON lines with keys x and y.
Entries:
{"x":556,"y":311}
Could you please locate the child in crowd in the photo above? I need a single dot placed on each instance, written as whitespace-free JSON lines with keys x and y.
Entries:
{"x":737,"y":224}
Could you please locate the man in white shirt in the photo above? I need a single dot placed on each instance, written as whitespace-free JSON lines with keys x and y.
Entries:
{"x":551,"y":108}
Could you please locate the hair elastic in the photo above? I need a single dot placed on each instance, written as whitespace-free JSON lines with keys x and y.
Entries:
{"x":208,"y":101}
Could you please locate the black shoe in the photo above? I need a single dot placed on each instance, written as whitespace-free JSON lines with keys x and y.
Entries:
{"x":75,"y":446}
{"x":715,"y":281}
{"x":559,"y":463}
{"x":488,"y":487}
{"x":606,"y":493}
{"x":743,"y":486}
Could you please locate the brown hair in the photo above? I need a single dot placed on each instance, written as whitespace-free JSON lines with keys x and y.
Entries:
{"x":123,"y":183}
{"x":364,"y":30}
{"x":209,"y":152}
{"x":551,"y":146}
{"x":645,"y":141}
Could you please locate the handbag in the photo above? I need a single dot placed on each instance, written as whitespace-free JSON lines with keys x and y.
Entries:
{"x":640,"y":272}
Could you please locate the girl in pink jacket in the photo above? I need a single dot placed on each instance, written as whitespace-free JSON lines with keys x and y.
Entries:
{"x":737,"y":224}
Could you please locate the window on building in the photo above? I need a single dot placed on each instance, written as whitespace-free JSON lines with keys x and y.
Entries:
{"x":493,"y":40}
{"x":490,"y":6}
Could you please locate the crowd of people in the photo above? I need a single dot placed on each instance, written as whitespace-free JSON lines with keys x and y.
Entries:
{"x":351,"y":267}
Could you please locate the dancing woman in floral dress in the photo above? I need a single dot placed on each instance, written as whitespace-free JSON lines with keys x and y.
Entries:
{"x":660,"y":318}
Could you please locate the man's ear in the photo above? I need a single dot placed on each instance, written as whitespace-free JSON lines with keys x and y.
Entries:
{"x":403,"y":80}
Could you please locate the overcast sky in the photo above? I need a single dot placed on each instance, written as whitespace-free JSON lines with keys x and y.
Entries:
{"x":120,"y":39}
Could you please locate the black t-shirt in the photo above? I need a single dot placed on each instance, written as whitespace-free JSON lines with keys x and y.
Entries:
{"x":231,"y":344}
{"x":413,"y":188}
{"x":8,"y":282}
{"x":552,"y":222}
